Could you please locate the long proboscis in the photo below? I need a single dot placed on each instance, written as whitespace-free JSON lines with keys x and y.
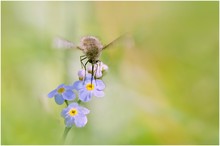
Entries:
{"x":115,"y":40}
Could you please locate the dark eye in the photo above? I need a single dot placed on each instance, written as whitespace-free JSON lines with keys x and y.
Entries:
{"x":96,"y":61}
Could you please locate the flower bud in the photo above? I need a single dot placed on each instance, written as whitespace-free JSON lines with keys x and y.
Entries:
{"x":98,"y":70}
{"x":104,"y":68}
{"x":98,"y":73}
{"x":90,"y":68}
{"x":81,"y":74}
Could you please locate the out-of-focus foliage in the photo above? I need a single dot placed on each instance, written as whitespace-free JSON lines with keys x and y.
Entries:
{"x":162,"y":85}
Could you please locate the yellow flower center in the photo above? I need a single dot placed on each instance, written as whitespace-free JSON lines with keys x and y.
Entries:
{"x":89,"y":86}
{"x":61,"y":90}
{"x":73,"y":112}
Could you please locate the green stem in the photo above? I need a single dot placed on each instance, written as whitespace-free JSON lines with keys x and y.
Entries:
{"x":79,"y":101}
{"x":66,"y":102}
{"x":67,"y":129}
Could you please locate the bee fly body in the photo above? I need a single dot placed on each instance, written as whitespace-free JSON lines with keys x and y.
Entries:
{"x":91,"y":47}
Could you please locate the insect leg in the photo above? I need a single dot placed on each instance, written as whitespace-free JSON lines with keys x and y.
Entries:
{"x":92,"y":72}
{"x":85,"y":68}
{"x":96,"y":70}
{"x":83,"y":57}
{"x":98,"y":61}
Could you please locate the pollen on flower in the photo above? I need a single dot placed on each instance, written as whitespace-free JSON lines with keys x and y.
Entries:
{"x":89,"y":86}
{"x":61,"y":90}
{"x":73,"y":112}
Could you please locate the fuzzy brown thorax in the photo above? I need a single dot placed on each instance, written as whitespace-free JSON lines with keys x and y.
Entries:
{"x":91,"y":47}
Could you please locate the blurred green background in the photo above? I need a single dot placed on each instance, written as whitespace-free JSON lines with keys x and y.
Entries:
{"x":162,"y":84}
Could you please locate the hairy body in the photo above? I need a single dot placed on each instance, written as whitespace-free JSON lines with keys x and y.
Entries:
{"x":91,"y":47}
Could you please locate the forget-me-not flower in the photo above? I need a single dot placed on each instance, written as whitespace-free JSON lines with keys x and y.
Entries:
{"x":86,"y":89}
{"x":62,"y":93}
{"x":75,"y":114}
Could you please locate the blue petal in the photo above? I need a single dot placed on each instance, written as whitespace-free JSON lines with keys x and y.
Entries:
{"x":59,"y":99}
{"x":98,"y":93}
{"x":52,"y":93}
{"x":69,"y":95}
{"x":88,"y":77}
{"x":73,"y":105}
{"x":68,"y":87}
{"x":69,"y":121}
{"x":64,"y":112}
{"x":78,"y":85}
{"x":100,"y":85}
{"x":85,"y":95}
{"x":61,"y":85}
{"x":83,"y":110}
{"x":80,"y":121}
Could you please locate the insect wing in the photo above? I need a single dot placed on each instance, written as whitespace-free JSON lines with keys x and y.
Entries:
{"x":111,"y":43}
{"x":60,"y":43}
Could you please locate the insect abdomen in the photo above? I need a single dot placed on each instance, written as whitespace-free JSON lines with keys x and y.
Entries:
{"x":93,"y":53}
{"x":92,"y":47}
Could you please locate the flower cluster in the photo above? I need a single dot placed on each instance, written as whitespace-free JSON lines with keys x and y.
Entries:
{"x":89,"y":85}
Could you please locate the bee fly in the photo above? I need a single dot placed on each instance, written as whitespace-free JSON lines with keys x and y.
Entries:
{"x":89,"y":45}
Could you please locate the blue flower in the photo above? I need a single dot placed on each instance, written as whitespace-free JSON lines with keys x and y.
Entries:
{"x":75,"y":114}
{"x":86,"y":90}
{"x":62,"y":93}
